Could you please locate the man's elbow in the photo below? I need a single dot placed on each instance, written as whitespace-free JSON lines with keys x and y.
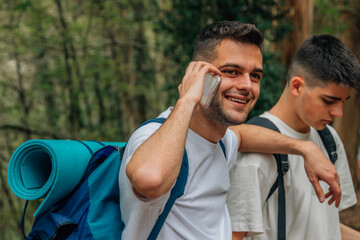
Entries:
{"x":146,"y":183}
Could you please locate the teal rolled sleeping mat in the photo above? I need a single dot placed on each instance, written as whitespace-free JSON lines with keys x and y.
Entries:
{"x":50,"y":169}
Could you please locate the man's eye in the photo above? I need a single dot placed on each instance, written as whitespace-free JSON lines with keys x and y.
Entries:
{"x":230,"y":73}
{"x":327,"y":101}
{"x":255,"y":75}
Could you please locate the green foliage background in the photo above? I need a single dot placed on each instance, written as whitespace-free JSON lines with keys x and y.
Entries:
{"x":97,"y":69}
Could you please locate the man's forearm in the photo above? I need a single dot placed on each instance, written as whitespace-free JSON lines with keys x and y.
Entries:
{"x":155,"y":165}
{"x":259,"y":139}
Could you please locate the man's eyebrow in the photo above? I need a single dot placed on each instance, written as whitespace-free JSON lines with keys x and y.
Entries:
{"x":231,"y":65}
{"x":335,"y":98}
{"x":258,"y":70}
{"x":240,"y":67}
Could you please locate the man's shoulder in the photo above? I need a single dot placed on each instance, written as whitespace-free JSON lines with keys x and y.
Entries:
{"x":334,"y":133}
{"x":265,"y":162}
{"x":231,"y":135}
{"x":147,"y":128}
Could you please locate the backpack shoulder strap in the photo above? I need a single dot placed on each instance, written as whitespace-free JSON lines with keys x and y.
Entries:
{"x":282,"y":168}
{"x":176,"y":192}
{"x":222,"y":145}
{"x":329,"y":143}
{"x":156,"y":120}
{"x":283,"y":165}
{"x":263,"y":122}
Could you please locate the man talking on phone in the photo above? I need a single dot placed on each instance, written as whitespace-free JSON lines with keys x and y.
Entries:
{"x":154,"y":153}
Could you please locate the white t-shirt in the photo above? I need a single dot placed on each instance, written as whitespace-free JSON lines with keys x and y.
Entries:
{"x":306,"y":218}
{"x":201,"y":213}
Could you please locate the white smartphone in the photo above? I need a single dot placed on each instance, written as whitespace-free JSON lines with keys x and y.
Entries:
{"x":211,"y":85}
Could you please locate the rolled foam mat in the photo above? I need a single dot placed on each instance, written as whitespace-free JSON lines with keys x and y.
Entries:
{"x":50,"y":169}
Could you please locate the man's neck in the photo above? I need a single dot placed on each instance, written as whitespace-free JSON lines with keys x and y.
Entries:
{"x":285,"y":110}
{"x":206,"y":127}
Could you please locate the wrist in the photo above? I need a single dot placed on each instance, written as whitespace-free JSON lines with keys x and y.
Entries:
{"x":303,"y":148}
{"x":185,"y":103}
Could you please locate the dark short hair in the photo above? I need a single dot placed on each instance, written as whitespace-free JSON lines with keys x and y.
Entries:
{"x":209,"y":38}
{"x":323,"y":59}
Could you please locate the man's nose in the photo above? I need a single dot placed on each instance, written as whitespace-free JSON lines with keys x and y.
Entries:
{"x":337,"y":110}
{"x":244,"y":82}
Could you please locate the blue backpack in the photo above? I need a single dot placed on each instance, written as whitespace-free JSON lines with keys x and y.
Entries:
{"x":92,"y":209}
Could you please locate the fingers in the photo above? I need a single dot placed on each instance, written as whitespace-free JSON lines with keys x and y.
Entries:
{"x":334,"y":192}
{"x":338,"y":193}
{"x":334,"y":189}
{"x":318,"y":190}
{"x":319,"y":167}
{"x":199,"y":66}
{"x":192,"y":83}
{"x":330,"y":194}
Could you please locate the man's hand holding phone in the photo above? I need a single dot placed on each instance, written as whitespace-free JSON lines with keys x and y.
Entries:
{"x":195,"y":85}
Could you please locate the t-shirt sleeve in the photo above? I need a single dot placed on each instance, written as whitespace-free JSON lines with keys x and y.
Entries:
{"x":348,"y":196}
{"x":249,"y":187}
{"x":138,"y":137}
{"x":231,"y":142}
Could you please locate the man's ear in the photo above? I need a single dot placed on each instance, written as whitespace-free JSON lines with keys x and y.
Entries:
{"x":297,"y":85}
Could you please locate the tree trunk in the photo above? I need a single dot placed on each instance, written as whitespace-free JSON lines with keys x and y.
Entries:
{"x":302,"y":14}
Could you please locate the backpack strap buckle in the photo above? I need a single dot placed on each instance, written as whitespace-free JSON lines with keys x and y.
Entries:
{"x":284,"y":166}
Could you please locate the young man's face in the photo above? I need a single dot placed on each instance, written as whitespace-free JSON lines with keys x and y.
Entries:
{"x":320,"y":105}
{"x":241,"y":66}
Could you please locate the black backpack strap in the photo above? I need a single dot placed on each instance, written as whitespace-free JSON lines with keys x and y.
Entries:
{"x":23,"y":219}
{"x":222,"y":145}
{"x":282,"y":168}
{"x":329,"y":143}
{"x":281,"y":159}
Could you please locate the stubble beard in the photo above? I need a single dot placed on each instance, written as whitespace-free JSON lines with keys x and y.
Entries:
{"x":217,"y":112}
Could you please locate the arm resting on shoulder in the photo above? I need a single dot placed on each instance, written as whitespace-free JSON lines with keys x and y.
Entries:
{"x":317,"y":165}
{"x":347,"y":233}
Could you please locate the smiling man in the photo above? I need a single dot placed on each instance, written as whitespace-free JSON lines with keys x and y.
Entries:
{"x":154,"y":153}
{"x":320,"y":78}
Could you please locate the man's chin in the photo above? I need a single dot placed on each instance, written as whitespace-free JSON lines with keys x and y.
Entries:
{"x":236,"y":121}
{"x":318,"y":126}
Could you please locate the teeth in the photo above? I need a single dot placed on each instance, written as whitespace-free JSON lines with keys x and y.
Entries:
{"x":236,"y":100}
